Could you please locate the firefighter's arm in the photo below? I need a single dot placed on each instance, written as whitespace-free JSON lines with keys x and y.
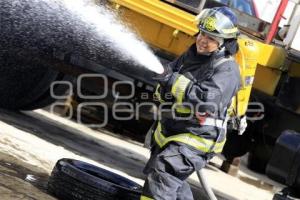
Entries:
{"x":200,"y":95}
{"x":176,"y":64}
{"x":207,"y":94}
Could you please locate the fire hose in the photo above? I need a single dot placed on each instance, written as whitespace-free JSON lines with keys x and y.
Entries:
{"x":209,"y":192}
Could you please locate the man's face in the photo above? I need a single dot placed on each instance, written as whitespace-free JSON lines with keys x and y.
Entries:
{"x":206,"y":44}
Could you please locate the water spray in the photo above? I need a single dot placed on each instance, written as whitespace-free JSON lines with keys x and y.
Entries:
{"x":77,"y":27}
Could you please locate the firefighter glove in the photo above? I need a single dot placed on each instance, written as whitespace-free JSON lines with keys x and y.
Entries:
{"x":166,"y":80}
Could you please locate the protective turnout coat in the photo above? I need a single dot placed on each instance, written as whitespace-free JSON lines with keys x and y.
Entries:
{"x":203,"y":89}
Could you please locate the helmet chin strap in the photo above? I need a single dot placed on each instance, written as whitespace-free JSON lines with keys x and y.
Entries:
{"x":220,"y":41}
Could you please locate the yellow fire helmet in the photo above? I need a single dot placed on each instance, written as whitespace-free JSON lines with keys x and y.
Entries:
{"x":219,"y":22}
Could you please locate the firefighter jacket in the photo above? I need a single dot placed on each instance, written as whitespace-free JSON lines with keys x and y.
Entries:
{"x":203,"y":89}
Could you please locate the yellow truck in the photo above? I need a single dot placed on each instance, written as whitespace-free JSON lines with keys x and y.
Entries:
{"x":271,"y":69}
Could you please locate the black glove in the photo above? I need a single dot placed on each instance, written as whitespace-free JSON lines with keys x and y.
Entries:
{"x":166,"y":80}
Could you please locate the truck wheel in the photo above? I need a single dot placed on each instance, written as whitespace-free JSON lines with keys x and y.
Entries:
{"x":259,"y":157}
{"x":281,"y":197}
{"x":24,"y":83}
{"x":77,"y":180}
{"x":46,"y":99}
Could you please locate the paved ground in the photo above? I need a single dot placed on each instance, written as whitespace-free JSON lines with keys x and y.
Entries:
{"x":32,"y":142}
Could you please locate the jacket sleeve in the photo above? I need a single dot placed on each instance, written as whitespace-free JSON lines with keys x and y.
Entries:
{"x":211,"y":95}
{"x":177,"y":63}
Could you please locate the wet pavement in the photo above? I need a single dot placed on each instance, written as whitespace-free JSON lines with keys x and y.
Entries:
{"x":20,"y":180}
{"x":32,"y":142}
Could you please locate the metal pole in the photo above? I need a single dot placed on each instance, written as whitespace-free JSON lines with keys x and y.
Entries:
{"x":201,"y":5}
{"x":276,"y":21}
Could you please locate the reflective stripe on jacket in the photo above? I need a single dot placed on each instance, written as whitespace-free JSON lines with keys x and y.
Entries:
{"x":145,"y":198}
{"x":179,"y":87}
{"x":198,"y":142}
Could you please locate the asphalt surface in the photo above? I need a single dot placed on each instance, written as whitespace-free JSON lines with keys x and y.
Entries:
{"x":32,"y":142}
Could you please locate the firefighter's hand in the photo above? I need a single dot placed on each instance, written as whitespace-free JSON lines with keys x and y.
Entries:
{"x":165,"y":81}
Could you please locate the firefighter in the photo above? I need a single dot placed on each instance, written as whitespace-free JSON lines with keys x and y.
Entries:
{"x":199,"y":86}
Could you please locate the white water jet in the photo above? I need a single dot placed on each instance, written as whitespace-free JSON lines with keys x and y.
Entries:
{"x":108,"y":27}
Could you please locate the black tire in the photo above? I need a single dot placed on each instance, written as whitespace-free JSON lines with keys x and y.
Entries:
{"x":46,"y":99}
{"x":281,"y":197}
{"x":22,"y":82}
{"x":259,"y":157}
{"x":25,"y":83}
{"x":287,"y":193}
{"x":77,"y":180}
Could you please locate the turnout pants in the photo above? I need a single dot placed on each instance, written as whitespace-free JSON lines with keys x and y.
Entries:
{"x":168,"y":169}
